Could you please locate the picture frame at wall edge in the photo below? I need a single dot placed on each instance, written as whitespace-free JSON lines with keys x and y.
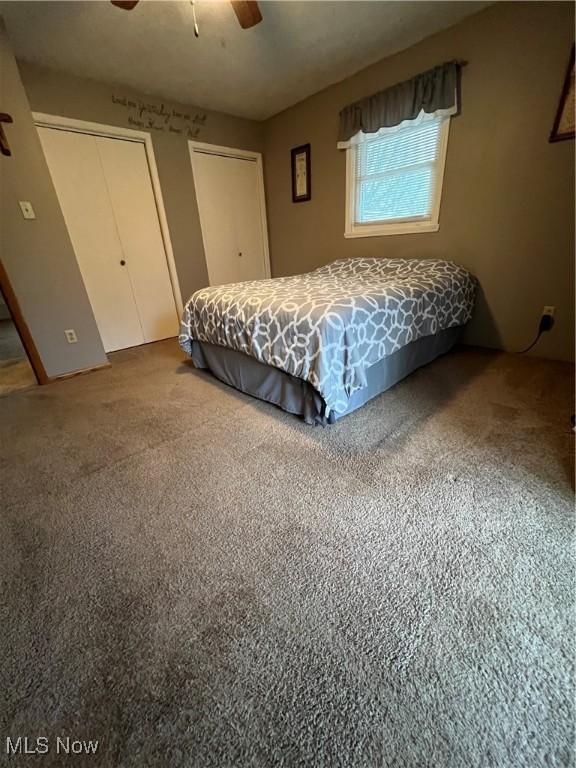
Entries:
{"x":301,"y":174}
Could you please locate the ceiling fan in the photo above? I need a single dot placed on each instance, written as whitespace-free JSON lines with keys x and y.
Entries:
{"x":247,"y":11}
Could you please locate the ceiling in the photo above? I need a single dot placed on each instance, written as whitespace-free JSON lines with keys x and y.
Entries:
{"x":297,"y":50}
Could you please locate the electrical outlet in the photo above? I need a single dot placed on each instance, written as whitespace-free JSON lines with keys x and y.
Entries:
{"x":71,"y":337}
{"x":549,"y":311}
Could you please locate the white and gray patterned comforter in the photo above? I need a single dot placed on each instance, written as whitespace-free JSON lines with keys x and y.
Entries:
{"x":330,"y":325}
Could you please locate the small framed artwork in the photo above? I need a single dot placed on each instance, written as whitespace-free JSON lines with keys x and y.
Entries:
{"x":301,"y":177}
{"x":564,"y":122}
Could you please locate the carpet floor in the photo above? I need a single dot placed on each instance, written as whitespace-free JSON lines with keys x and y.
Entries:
{"x":194,"y":578}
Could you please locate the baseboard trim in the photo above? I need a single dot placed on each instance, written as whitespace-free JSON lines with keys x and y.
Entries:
{"x":79,"y":372}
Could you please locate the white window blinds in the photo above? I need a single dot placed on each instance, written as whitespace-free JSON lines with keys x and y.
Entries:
{"x":398,"y":173}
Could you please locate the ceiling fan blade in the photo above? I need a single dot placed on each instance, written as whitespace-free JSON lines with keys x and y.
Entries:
{"x":247,"y":12}
{"x":126,"y":5}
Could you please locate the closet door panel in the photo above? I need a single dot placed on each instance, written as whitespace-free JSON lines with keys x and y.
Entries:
{"x":227,"y":190}
{"x":130,"y":188}
{"x":215,"y":204}
{"x":243,"y":180}
{"x":80,"y":185}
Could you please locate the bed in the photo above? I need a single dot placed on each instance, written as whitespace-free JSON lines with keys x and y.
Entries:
{"x":321,"y":344}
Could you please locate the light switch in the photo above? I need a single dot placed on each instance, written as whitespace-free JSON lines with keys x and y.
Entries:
{"x":26,"y":208}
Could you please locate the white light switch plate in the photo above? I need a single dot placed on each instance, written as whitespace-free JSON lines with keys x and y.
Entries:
{"x":26,"y":208}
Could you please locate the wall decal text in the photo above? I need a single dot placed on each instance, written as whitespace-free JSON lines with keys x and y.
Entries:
{"x":160,"y":117}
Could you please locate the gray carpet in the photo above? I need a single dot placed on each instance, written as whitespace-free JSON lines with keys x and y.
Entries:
{"x":196,"y":579}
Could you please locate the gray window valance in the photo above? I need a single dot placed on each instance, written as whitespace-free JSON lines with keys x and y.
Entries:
{"x":434,"y":91}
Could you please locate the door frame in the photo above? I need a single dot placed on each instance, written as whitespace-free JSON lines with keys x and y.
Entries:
{"x":43,"y":120}
{"x":242,"y":154}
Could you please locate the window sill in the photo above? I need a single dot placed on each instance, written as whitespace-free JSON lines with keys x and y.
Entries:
{"x":392,"y":229}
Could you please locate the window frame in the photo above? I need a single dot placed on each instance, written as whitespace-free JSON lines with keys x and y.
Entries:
{"x":395,"y":226}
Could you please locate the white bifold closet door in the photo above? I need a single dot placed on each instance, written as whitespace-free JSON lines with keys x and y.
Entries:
{"x":106,"y":195}
{"x":228,"y":194}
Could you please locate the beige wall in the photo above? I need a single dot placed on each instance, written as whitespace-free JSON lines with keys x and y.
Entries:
{"x":64,"y":95}
{"x":38,"y":255}
{"x":508,"y":199}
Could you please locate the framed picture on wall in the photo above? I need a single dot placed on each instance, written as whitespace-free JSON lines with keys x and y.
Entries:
{"x":564,"y":122}
{"x":301,"y":177}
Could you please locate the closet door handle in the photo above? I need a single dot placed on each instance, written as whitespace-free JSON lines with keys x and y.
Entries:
{"x":122,"y":262}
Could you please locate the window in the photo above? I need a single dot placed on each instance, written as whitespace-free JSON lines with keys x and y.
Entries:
{"x":394,"y":178}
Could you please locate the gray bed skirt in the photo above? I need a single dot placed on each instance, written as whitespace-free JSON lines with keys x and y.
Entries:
{"x":299,"y":397}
